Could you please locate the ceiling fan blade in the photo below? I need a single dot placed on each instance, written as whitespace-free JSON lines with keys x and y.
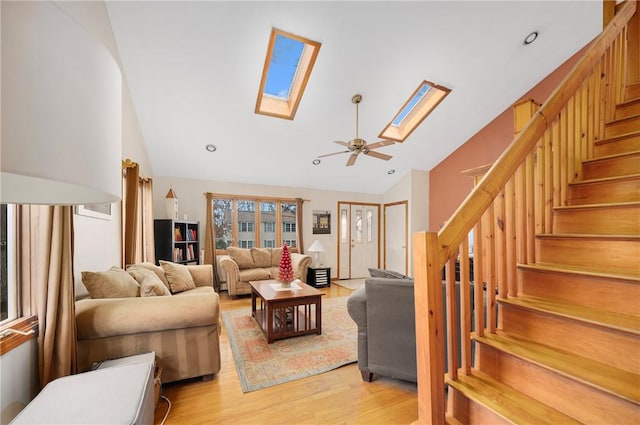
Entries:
{"x":340,"y":142}
{"x":330,"y":154}
{"x":378,"y":155}
{"x":380,"y":144}
{"x":352,"y":159}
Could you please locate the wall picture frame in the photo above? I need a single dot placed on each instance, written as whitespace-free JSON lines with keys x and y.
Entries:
{"x":321,"y":222}
{"x":101,"y":211}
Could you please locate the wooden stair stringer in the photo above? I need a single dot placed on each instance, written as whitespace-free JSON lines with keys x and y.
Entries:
{"x":502,"y":401}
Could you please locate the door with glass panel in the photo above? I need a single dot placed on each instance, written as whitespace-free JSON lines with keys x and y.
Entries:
{"x":358,"y":234}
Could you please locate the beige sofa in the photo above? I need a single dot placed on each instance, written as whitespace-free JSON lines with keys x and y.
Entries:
{"x":243,"y":265}
{"x":182,"y":328}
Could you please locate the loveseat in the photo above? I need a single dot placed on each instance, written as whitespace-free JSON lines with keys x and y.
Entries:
{"x":242,"y":265}
{"x":171,"y":309}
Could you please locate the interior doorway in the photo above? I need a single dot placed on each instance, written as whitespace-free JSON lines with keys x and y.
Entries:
{"x":358,"y":239}
{"x":396,"y":236}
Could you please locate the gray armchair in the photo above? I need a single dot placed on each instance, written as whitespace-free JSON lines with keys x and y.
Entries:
{"x":384,"y":311}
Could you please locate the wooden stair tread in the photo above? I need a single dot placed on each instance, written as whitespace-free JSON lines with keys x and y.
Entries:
{"x":617,"y":138}
{"x":602,"y":376}
{"x":611,"y":320}
{"x":611,"y":157}
{"x":631,"y":118}
{"x":587,"y":236}
{"x":597,"y":206}
{"x":606,"y":179}
{"x":583,"y":271}
{"x":507,"y":403}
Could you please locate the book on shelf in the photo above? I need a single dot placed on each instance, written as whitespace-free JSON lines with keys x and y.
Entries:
{"x":191,"y":235}
{"x":177,"y":255}
{"x":178,"y":234}
{"x":190,"y":254}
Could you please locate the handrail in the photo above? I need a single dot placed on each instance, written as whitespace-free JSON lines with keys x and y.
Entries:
{"x":474,"y":205}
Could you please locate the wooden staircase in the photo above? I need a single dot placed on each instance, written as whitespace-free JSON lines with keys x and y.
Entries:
{"x":568,"y":347}
{"x":562,"y":251}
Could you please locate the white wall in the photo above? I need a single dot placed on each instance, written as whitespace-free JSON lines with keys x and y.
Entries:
{"x":191,"y":201}
{"x":414,"y":188}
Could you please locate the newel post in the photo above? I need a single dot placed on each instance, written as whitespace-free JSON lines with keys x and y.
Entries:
{"x":429,"y":328}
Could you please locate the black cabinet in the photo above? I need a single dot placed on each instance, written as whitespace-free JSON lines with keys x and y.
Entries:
{"x":177,"y":241}
{"x":319,"y":276}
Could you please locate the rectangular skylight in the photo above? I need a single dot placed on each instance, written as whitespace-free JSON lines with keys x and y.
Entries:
{"x":420,"y":104}
{"x":412,"y":103}
{"x":283,"y":66}
{"x":287,"y":67}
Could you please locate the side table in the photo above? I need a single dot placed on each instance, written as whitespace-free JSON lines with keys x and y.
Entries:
{"x":319,"y":277}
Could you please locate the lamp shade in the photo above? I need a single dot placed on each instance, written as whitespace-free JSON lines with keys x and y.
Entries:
{"x":316,"y":246}
{"x":61,"y":110}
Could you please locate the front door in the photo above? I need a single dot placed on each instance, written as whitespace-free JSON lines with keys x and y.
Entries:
{"x":358,"y":234}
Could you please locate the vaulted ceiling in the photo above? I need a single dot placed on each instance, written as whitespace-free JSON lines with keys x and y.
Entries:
{"x":194,"y":69}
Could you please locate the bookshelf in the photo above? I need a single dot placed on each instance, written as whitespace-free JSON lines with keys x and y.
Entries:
{"x":177,"y":241}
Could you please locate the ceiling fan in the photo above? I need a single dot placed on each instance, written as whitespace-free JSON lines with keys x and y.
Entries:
{"x":357,"y":146}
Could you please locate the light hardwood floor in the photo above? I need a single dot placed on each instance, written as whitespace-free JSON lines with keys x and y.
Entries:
{"x":336,"y":397}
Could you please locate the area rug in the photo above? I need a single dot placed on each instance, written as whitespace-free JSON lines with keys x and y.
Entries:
{"x":261,"y":365}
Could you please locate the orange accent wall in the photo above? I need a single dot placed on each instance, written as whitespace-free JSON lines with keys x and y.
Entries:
{"x":447,"y":185}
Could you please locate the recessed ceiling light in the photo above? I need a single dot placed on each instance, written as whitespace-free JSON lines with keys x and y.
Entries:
{"x":316,"y":161}
{"x":391,"y":172}
{"x":530,"y":38}
{"x":211,"y":148}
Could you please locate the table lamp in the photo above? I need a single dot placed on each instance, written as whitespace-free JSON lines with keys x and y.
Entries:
{"x":316,"y":247}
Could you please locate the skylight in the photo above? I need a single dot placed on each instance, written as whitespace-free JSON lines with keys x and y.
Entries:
{"x":282,"y":68}
{"x":420,"y":104}
{"x":287,"y":67}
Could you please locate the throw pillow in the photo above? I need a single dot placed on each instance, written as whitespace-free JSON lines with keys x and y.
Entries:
{"x":242,"y":257}
{"x":178,"y":275}
{"x":276,"y":253}
{"x":261,"y":257}
{"x":114,"y":283}
{"x":387,"y":273}
{"x":159,"y":271}
{"x":150,"y":283}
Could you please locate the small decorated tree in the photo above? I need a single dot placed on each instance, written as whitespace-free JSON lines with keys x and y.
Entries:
{"x":286,"y":271}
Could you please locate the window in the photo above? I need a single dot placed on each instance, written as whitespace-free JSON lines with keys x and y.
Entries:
{"x":222,"y":212}
{"x":246,"y":244}
{"x":287,"y":68}
{"x":246,"y":226}
{"x":248,"y":222}
{"x":8,"y":292}
{"x":419,"y":105}
{"x":291,"y":243}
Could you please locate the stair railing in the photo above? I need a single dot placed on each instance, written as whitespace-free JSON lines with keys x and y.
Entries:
{"x":510,"y":205}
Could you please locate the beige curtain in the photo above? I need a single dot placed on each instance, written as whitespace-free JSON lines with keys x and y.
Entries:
{"x":137,"y":216}
{"x":209,"y":241}
{"x":45,"y":267}
{"x":299,"y":227}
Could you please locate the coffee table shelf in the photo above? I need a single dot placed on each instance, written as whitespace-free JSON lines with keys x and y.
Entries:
{"x":284,"y":314}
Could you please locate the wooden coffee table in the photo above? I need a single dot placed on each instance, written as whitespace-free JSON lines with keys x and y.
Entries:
{"x":286,"y":313}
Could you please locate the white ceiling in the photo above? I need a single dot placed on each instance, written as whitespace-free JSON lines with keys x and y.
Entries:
{"x":194,"y":70}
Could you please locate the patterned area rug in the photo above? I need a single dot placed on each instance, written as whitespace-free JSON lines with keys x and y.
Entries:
{"x":350,"y":283}
{"x":261,"y":365}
